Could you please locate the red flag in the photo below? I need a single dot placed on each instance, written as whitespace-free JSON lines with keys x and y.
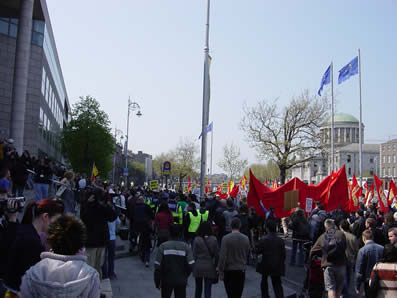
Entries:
{"x":384,"y":207}
{"x":189,"y":184}
{"x":235,"y":190}
{"x":266,"y":183}
{"x":222,"y":196}
{"x":242,"y":183}
{"x":336,"y":193}
{"x":369,"y":195}
{"x":392,"y":192}
{"x":355,"y":193}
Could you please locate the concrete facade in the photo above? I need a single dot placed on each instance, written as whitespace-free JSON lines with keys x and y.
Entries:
{"x":388,"y":161}
{"x":45,"y":109}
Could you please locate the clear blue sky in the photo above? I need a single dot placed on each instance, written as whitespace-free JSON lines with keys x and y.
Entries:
{"x":153,"y":51}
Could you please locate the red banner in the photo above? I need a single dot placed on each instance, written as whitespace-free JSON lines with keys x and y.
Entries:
{"x":384,"y":207}
{"x":331,"y":193}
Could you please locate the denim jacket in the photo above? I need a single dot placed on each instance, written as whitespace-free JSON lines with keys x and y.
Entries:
{"x":368,"y":256}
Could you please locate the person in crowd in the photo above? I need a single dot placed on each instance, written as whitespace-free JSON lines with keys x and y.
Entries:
{"x":387,"y":273}
{"x":27,"y":245}
{"x":229,"y":214}
{"x":173,"y":265}
{"x":162,"y":222}
{"x":27,"y":161}
{"x":5,"y":179}
{"x":96,"y":213}
{"x":367,"y":257}
{"x":203,"y":211}
{"x":388,"y":222}
{"x":191,"y":222}
{"x":370,"y":223}
{"x":358,"y":226}
{"x":300,"y":233}
{"x":219,"y":219}
{"x":110,"y":250}
{"x":392,"y":233}
{"x":19,"y":177}
{"x":245,"y":222}
{"x":8,"y":227}
{"x":63,"y":272}
{"x":206,"y":255}
{"x":143,"y":217}
{"x":67,"y":195}
{"x":352,"y":247}
{"x":211,"y":204}
{"x":331,"y":245}
{"x":42,"y":179}
{"x":272,"y":249}
{"x":232,"y":263}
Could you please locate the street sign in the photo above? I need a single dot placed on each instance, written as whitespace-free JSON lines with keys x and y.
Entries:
{"x":167,"y":168}
{"x":154,"y":185}
{"x":125,"y":171}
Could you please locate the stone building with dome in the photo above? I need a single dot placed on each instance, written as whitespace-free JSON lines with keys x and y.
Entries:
{"x":346,"y":148}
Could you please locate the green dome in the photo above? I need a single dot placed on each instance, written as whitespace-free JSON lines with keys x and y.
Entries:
{"x":341,"y":117}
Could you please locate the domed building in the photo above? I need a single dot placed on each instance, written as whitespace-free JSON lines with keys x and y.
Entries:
{"x":346,"y":130}
{"x":346,"y":149}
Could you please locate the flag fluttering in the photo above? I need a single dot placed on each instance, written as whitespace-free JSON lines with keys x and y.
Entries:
{"x":94,"y":172}
{"x":384,"y":207}
{"x":369,"y":195}
{"x":392,"y":192}
{"x":355,"y":193}
{"x":348,"y":70}
{"x":325,"y":80}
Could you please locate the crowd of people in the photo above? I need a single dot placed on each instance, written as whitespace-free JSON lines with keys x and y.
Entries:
{"x":65,"y":243}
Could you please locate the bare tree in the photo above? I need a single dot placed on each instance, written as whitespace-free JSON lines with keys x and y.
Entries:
{"x":232,"y":162}
{"x":281,"y":134}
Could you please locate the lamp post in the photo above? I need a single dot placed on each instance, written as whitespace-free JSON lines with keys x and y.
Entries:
{"x":132,"y":106}
{"x":116,"y":133}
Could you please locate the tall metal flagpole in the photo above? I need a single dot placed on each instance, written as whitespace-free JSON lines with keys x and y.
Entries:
{"x":360,"y":128}
{"x":212,"y":141}
{"x":205,"y":105}
{"x":332,"y":117}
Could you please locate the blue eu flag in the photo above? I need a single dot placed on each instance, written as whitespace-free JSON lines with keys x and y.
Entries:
{"x":348,"y":70}
{"x":325,"y":80}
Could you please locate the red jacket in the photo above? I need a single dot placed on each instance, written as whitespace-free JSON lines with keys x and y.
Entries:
{"x":163,"y":220}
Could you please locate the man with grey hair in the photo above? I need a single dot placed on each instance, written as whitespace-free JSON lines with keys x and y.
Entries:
{"x":331,"y":246}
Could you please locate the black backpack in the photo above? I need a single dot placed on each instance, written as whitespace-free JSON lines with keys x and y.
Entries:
{"x":333,"y":248}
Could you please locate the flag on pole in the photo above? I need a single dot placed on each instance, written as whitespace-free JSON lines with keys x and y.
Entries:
{"x":392,"y":192}
{"x":94,"y":172}
{"x":370,"y":195}
{"x":325,"y":80}
{"x":384,"y":207}
{"x":243,"y":181}
{"x":356,"y":192}
{"x":348,"y":70}
{"x":231,"y":185}
{"x":209,"y":129}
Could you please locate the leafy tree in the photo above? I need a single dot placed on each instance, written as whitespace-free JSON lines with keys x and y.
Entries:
{"x":87,"y":137}
{"x":282,"y":133}
{"x":136,"y":172}
{"x":269,"y":170}
{"x":232,"y":162}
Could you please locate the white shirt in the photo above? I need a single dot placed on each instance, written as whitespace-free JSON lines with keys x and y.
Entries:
{"x":82,"y":183}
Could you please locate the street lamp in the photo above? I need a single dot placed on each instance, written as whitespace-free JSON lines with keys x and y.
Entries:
{"x":132,"y":106}
{"x":116,"y":133}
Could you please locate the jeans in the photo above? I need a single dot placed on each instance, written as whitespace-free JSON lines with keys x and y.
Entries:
{"x":41,"y":190}
{"x":277,"y":287}
{"x":179,"y":292}
{"x":234,"y":283}
{"x":297,"y":245}
{"x":199,"y":287}
{"x":346,"y":286}
{"x":108,"y":265}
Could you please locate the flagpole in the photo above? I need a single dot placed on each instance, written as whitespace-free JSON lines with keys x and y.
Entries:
{"x":360,"y":128}
{"x":332,"y":117}
{"x":205,"y":117}
{"x":212,"y":141}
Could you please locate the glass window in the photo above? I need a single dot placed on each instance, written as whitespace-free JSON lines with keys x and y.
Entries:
{"x":43,"y":82}
{"x":348,"y":158}
{"x":37,"y":39}
{"x":38,"y":26}
{"x":13,"y":30}
{"x":14,"y":21}
{"x":384,"y":171}
{"x":371,"y":160}
{"x":3,"y":27}
{"x":384,"y":159}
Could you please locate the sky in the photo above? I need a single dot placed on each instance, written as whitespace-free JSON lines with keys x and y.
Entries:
{"x":153,"y":52}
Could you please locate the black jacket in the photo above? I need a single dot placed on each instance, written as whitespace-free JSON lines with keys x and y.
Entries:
{"x":96,"y":217}
{"x":43,"y":174}
{"x":8,"y":231}
{"x":24,"y":253}
{"x":272,"y":249}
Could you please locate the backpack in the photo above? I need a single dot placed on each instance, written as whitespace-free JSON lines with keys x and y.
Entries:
{"x":333,"y":248}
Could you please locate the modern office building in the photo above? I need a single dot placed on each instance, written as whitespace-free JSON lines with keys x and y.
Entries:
{"x":34,"y":105}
